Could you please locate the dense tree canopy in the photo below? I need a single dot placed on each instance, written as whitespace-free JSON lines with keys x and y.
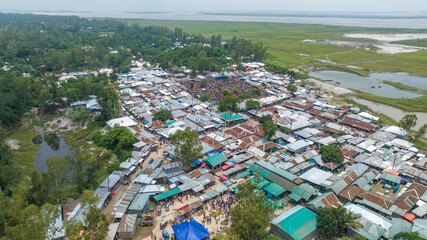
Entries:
{"x":39,"y":45}
{"x":285,"y":130}
{"x":205,"y":97}
{"x":119,"y":139}
{"x":408,"y":122}
{"x":269,"y":128}
{"x":265,"y":118}
{"x":250,"y":216}
{"x":407,"y":236}
{"x":332,"y":223}
{"x":228,"y":103}
{"x":331,"y":153}
{"x":163,"y":114}
{"x":252,"y":104}
{"x":187,"y":145}
{"x":291,"y":88}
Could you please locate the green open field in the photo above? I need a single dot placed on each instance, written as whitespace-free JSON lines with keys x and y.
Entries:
{"x":286,"y":40}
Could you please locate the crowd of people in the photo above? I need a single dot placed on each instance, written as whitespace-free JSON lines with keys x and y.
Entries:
{"x":215,"y":87}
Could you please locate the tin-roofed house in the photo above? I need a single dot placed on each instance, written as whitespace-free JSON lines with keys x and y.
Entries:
{"x":127,"y":226}
{"x":298,"y":223}
{"x":139,"y":204}
{"x":328,"y":200}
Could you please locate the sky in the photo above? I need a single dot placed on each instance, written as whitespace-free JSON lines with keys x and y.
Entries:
{"x":217,"y":5}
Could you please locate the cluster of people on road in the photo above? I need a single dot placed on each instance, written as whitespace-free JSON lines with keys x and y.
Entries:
{"x":215,"y":87}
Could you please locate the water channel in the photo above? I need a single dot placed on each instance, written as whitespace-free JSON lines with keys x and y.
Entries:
{"x":374,"y":83}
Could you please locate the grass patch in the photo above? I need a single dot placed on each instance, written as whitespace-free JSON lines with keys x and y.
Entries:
{"x":415,"y":42}
{"x":418,"y":104}
{"x":421,"y":144}
{"x":284,"y":41}
{"x":355,"y":104}
{"x":25,"y":155}
{"x":404,"y":87}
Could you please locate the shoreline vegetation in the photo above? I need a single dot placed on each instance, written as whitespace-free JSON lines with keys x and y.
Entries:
{"x":418,"y":104}
{"x":404,"y":87}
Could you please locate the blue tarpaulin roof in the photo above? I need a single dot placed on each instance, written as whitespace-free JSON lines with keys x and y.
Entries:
{"x":191,"y":230}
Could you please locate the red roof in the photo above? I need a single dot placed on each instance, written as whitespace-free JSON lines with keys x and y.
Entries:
{"x":409,"y":216}
{"x":391,"y":171}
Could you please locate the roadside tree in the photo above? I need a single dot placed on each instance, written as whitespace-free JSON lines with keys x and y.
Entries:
{"x":408,"y":122}
{"x":187,"y":145}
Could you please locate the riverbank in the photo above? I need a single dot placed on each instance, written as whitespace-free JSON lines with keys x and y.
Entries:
{"x":391,"y":114}
{"x":418,"y":104}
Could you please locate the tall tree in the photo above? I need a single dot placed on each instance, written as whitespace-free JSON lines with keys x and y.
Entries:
{"x":408,"y":122}
{"x":227,"y":103}
{"x":333,"y":222}
{"x":163,"y":114}
{"x":56,"y":173}
{"x":265,"y":118}
{"x":269,"y":128}
{"x":250,"y":216}
{"x":252,"y":104}
{"x":292,"y":89}
{"x":109,"y":100}
{"x":187,"y":145}
{"x":331,"y":153}
{"x":421,"y":132}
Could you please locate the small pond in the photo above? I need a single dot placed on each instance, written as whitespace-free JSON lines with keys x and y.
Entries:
{"x":51,"y":145}
{"x":374,"y":83}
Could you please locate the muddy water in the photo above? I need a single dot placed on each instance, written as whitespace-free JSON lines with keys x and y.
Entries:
{"x":374,"y":83}
{"x":394,"y":113}
{"x":51,"y":145}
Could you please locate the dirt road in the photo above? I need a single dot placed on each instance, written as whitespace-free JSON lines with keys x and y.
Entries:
{"x":108,"y":211}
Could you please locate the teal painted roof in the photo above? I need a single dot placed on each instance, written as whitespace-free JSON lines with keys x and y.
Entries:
{"x":277,"y":170}
{"x":139,"y":202}
{"x":243,"y":174}
{"x":167,"y":194}
{"x":230,"y":117}
{"x":215,"y":160}
{"x":169,"y":123}
{"x":298,"y":222}
{"x":274,"y":189}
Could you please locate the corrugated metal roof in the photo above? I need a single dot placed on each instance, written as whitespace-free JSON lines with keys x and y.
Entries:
{"x":298,"y":222}
{"x":139,"y":202}
{"x":128,"y":223}
{"x":167,"y":194}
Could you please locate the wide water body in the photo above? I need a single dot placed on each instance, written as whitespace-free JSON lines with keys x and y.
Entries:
{"x":364,"y":84}
{"x":51,"y":145}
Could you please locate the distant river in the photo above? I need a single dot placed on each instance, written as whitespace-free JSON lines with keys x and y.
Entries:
{"x":417,"y":23}
{"x":373,"y":84}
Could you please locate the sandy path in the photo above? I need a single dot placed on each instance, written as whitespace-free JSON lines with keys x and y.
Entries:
{"x":330,"y":87}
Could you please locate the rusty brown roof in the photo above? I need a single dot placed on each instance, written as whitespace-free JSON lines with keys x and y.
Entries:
{"x":408,"y":199}
{"x":371,"y":197}
{"x":350,"y":192}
